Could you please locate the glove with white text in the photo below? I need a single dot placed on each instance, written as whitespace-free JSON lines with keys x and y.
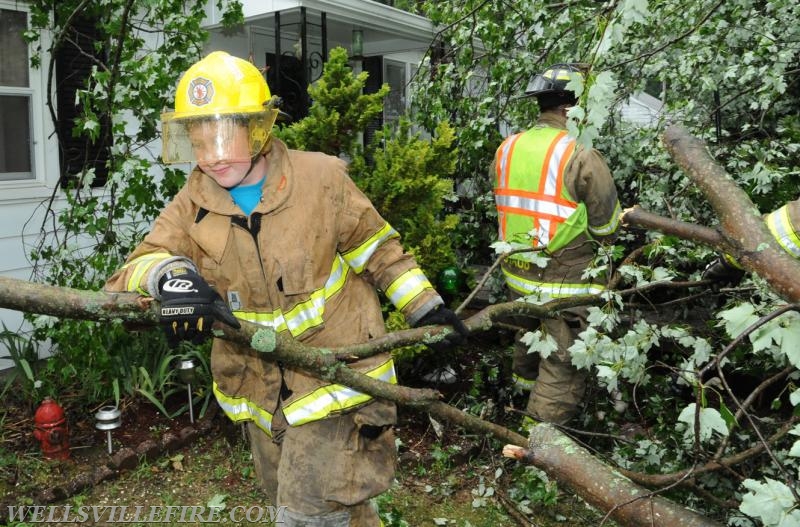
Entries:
{"x":189,"y":307}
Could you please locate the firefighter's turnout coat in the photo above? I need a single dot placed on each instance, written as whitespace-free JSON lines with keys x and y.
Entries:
{"x":784,"y":224}
{"x":307,"y":261}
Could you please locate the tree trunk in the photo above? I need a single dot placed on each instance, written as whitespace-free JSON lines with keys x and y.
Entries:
{"x":744,"y":234}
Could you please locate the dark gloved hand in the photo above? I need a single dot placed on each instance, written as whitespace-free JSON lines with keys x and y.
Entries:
{"x":722,"y":273}
{"x":189,"y":307}
{"x":442,"y":316}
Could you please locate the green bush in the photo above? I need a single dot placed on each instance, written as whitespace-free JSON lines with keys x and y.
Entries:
{"x":409,"y":183}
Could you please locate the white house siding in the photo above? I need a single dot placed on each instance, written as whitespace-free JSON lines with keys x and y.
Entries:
{"x":642,"y":109}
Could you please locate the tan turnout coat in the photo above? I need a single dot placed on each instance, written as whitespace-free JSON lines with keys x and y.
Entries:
{"x":277,"y":267}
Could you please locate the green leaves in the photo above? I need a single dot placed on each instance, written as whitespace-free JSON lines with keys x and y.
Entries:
{"x":770,"y":501}
{"x":710,"y":421}
{"x":91,"y":231}
{"x":779,"y":338}
{"x":340,"y":110}
{"x":539,"y":342}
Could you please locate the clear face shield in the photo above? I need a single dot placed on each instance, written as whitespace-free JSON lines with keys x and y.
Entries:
{"x":218,"y":138}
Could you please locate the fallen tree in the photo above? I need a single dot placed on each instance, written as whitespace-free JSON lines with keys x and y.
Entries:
{"x":564,"y":458}
{"x":742,"y":234}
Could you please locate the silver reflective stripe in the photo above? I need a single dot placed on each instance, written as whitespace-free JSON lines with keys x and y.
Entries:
{"x":537,"y":206}
{"x":782,"y":229}
{"x":358,"y":257}
{"x":406,"y":287}
{"x":611,"y":226}
{"x":505,"y":158}
{"x":242,"y":409}
{"x":334,"y":398}
{"x":550,"y":290}
{"x":550,"y":186}
{"x":306,"y":314}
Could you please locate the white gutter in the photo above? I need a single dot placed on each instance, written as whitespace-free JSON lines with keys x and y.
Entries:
{"x":363,"y":13}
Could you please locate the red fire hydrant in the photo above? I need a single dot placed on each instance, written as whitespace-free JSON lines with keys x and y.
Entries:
{"x":51,"y":430}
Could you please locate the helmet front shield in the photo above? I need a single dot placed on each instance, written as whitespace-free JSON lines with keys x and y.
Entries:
{"x":217,"y":138}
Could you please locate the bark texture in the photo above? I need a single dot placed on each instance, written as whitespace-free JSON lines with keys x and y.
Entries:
{"x":602,"y":487}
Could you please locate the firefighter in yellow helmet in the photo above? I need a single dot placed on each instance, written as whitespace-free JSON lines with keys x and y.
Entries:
{"x":552,"y":193}
{"x":284,"y":239}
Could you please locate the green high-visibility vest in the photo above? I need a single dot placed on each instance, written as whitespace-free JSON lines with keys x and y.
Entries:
{"x":530,"y":193}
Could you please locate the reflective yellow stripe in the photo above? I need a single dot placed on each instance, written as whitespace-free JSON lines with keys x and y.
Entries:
{"x":407,"y":287}
{"x":273,"y":320}
{"x":732,"y":261}
{"x":141,"y":265}
{"x":782,"y":229}
{"x":522,"y":382}
{"x":334,"y":398}
{"x":549,"y":290}
{"x":357,"y":258}
{"x":242,"y":409}
{"x":306,"y":314}
{"x":611,"y":226}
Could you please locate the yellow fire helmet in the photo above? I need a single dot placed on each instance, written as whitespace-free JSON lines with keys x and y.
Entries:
{"x":223,"y":113}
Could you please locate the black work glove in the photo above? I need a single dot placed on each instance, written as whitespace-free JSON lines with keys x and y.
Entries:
{"x":442,"y":316}
{"x":189,"y":307}
{"x":722,"y":273}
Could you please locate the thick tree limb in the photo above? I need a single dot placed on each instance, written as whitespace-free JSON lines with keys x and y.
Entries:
{"x":323,"y":363}
{"x":604,"y":488}
{"x":743,"y":232}
{"x":687,"y":231}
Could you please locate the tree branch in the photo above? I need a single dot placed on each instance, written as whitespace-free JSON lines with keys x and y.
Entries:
{"x":743,"y":232}
{"x":323,"y":363}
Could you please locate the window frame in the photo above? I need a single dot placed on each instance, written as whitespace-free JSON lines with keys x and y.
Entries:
{"x":44,"y":147}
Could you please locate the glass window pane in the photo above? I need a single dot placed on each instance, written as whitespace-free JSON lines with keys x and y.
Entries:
{"x":13,"y":49}
{"x":395,"y":103}
{"x":15,"y":137}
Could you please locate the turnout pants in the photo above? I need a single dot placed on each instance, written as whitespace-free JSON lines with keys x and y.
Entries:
{"x":326,"y":472}
{"x":559,"y":386}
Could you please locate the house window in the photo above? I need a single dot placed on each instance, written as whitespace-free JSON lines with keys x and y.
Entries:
{"x":395,"y":77}
{"x":15,"y":99}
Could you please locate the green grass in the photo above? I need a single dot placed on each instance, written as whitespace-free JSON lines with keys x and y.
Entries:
{"x":430,"y":491}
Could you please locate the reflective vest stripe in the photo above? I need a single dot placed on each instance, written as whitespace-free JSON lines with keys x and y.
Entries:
{"x":357,"y":258}
{"x":550,"y":170}
{"x":242,"y":409}
{"x":611,"y":226}
{"x":306,"y":314}
{"x":542,"y":206}
{"x":504,"y":160}
{"x":407,"y":287}
{"x":547,"y":290}
{"x":140,"y":267}
{"x":569,"y":148}
{"x":334,"y":398}
{"x":780,"y":225}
